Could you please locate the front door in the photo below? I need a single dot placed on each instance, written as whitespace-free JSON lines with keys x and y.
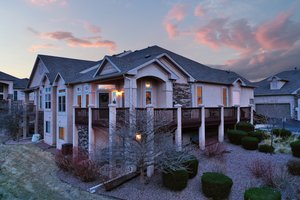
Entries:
{"x":103,"y":100}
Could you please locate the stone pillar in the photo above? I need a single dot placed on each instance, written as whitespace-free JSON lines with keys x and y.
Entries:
{"x":202,"y":129}
{"x":91,"y":132}
{"x":111,"y":134}
{"x":178,"y":132}
{"x":75,"y":131}
{"x":221,"y":125}
{"x":150,"y":138}
{"x":251,"y":114}
{"x":238,"y":113}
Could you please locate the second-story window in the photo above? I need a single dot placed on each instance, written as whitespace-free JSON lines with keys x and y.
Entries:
{"x":62,"y":100}
{"x":199,"y":95}
{"x":225,"y":97}
{"x":148,"y":93}
{"x":48,"y":98}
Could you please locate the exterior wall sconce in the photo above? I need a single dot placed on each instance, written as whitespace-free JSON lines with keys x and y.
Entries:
{"x":138,"y":137}
{"x":148,"y":85}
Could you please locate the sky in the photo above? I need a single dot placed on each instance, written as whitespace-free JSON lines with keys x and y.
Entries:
{"x":255,"y":38}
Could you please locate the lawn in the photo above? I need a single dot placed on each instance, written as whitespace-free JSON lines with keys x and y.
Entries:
{"x":27,"y":172}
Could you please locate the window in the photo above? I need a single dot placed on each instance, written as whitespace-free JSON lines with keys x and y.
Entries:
{"x":148,"y":97}
{"x":61,"y":131}
{"x":199,"y":95}
{"x":1,"y":91}
{"x":48,"y":98}
{"x":225,"y":97}
{"x":87,"y":100}
{"x":62,"y":101}
{"x":236,"y":98}
{"x":15,"y":95}
{"x":41,"y":101}
{"x":1,"y":96}
{"x":251,"y":101}
{"x":79,"y":101}
{"x":47,"y":126}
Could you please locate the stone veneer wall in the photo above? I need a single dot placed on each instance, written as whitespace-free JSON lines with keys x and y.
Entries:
{"x":83,"y":137}
{"x":182,"y":94}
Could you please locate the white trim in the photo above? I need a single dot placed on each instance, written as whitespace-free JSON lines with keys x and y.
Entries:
{"x":296,"y":91}
{"x":101,"y":66}
{"x":239,"y":79}
{"x":55,"y":79}
{"x":89,"y":69}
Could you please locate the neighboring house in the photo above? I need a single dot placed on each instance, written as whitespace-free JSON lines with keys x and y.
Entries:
{"x":12,"y":87}
{"x":279,"y":95}
{"x":132,"y":80}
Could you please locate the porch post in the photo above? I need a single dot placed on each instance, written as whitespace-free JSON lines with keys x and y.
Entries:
{"x":238,"y":113}
{"x":251,"y":114}
{"x":202,"y":129}
{"x":178,"y":132}
{"x":37,"y":100}
{"x":91,"y":132}
{"x":111,"y":133}
{"x":221,"y":125}
{"x":75,"y":131}
{"x":150,"y":138}
{"x":25,"y":117}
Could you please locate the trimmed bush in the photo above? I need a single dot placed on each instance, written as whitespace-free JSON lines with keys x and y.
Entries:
{"x":294,"y":167}
{"x":191,"y":166}
{"x":282,"y":133}
{"x":295,"y":146}
{"x":216,"y":185}
{"x":175,"y":179}
{"x":265,"y":148}
{"x":235,"y":136}
{"x":250,"y":143}
{"x":258,"y":134}
{"x":245,"y":126}
{"x":63,"y":162}
{"x":263,"y":193}
{"x":86,"y":170}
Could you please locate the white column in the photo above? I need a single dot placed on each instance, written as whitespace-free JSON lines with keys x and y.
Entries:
{"x":169,"y":94}
{"x":111,"y":134}
{"x":251,"y":114}
{"x":178,"y":132}
{"x":150,"y":138}
{"x":202,"y":129}
{"x":54,"y":106}
{"x":238,"y":113}
{"x":91,"y":132}
{"x":75,"y":131}
{"x":221,"y":125}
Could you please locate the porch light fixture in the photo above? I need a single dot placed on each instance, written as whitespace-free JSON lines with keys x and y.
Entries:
{"x":138,"y":136}
{"x":119,"y":93}
{"x":148,"y":85}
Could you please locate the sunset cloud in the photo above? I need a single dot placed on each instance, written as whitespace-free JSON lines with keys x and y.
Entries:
{"x":48,"y":2}
{"x":199,"y":11}
{"x":177,"y":14}
{"x":38,"y":47}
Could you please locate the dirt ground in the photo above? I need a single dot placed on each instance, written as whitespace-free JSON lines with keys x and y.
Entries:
{"x":27,"y":172}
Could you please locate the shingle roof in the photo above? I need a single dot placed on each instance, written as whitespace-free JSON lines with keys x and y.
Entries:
{"x":292,"y":84}
{"x":7,"y":77}
{"x":68,"y":68}
{"x":17,"y":83}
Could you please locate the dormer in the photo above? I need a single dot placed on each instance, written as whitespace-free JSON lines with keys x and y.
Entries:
{"x":276,"y":83}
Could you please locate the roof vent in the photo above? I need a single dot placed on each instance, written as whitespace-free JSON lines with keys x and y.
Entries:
{"x":147,"y":56}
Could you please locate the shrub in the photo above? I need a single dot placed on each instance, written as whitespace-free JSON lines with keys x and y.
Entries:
{"x":216,"y":185}
{"x":282,"y":133}
{"x":63,"y":162}
{"x":175,"y":179}
{"x":245,"y":126}
{"x":294,"y":167}
{"x":265,"y":148}
{"x":214,"y":150}
{"x":295,"y":146}
{"x":86,"y":170}
{"x":259,"y":168}
{"x":263,"y":193}
{"x":235,"y":136}
{"x":250,"y":143}
{"x":258,"y":134}
{"x":191,"y":165}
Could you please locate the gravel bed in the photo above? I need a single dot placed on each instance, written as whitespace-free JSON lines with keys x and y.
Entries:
{"x":234,"y":165}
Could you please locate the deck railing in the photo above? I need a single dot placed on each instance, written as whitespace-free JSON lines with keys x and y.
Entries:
{"x":212,"y":116}
{"x":100,"y":117}
{"x":122,"y":115}
{"x":230,"y":115}
{"x":165,"y":117}
{"x":81,"y":116}
{"x":245,"y":113}
{"x":191,"y":116}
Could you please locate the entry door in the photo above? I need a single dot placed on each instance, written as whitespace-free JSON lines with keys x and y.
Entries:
{"x":103,"y":100}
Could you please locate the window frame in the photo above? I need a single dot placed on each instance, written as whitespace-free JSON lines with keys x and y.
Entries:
{"x":47,"y":126}
{"x":47,"y":99}
{"x":61,"y":133}
{"x":15,"y":95}
{"x":62,"y":101}
{"x":197,"y":95}
{"x":226,"y":99}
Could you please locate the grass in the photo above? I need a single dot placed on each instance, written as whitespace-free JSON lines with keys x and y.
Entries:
{"x":26,"y":172}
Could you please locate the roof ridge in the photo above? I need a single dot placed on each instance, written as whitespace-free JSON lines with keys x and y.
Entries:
{"x":61,"y":57}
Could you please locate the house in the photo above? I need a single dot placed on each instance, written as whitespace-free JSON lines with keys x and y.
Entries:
{"x":75,"y":97}
{"x":12,"y":87}
{"x":279,"y":95}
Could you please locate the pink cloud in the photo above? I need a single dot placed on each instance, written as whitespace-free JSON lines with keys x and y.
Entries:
{"x":57,"y":35}
{"x":171,"y":30}
{"x":49,"y":2}
{"x":77,"y":42}
{"x":92,"y":28}
{"x":38,"y":47}
{"x":176,"y":14}
{"x":199,"y":11}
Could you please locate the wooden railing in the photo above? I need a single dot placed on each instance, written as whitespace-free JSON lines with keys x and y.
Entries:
{"x":141,"y":118}
{"x":165,"y":117}
{"x":100,"y":117}
{"x":191,"y":116}
{"x":212,"y":116}
{"x":230,"y":115}
{"x":122,"y":115}
{"x":81,"y":116}
{"x":245,"y":114}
